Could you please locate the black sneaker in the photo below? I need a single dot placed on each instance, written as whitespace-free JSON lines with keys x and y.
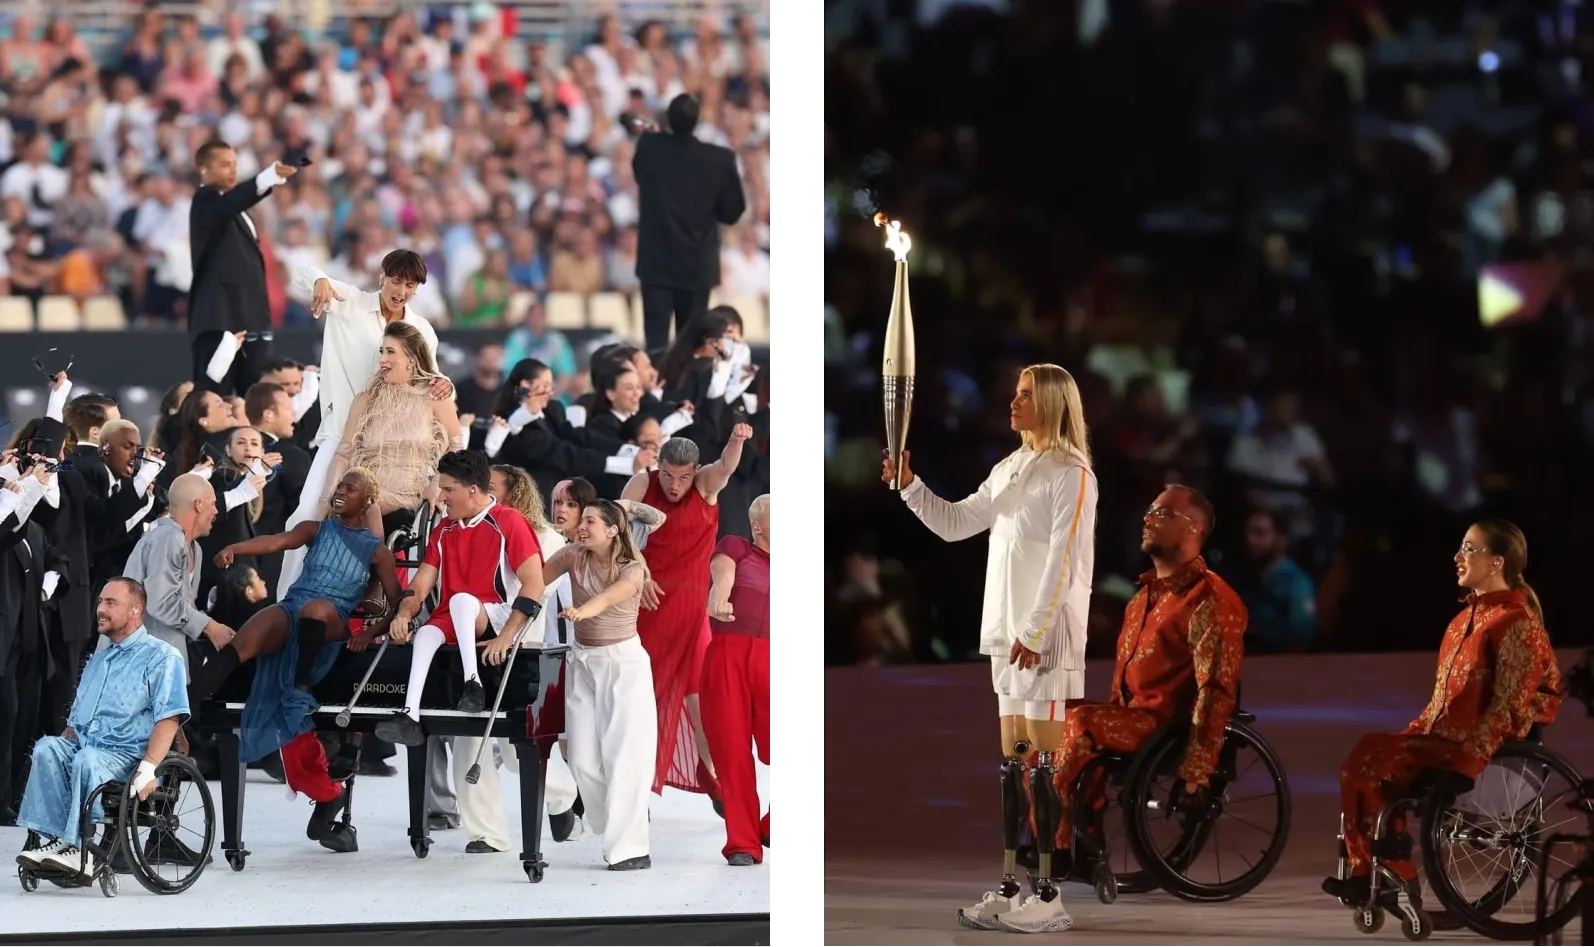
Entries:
{"x":400,"y":729}
{"x":1354,"y":890}
{"x":163,"y":848}
{"x":479,"y":847}
{"x":441,"y":822}
{"x":740,"y":860}
{"x":633,"y":864}
{"x":339,"y":837}
{"x":561,"y":824}
{"x":472,"y":700}
{"x":377,"y":768}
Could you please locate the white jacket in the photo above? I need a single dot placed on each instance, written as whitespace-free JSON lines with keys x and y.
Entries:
{"x":1041,"y":511}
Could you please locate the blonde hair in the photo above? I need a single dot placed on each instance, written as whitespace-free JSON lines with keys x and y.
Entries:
{"x":116,"y":427}
{"x":524,"y":496}
{"x":258,"y":504}
{"x":413,"y":343}
{"x":757,"y":509}
{"x":1059,"y":415}
{"x":373,"y":487}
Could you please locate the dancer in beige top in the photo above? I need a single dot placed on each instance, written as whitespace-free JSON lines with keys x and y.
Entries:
{"x":395,"y":429}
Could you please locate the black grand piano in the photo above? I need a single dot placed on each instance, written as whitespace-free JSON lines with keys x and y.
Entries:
{"x":531,"y":717}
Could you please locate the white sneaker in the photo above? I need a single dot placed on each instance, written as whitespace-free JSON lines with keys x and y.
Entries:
{"x":985,"y":915}
{"x":1035,"y":916}
{"x":34,"y":857}
{"x":67,"y":858}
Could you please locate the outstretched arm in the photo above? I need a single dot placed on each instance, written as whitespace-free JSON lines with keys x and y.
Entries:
{"x":296,"y":538}
{"x":713,"y":478}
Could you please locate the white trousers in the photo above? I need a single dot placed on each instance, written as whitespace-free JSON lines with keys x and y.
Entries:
{"x":613,"y":723}
{"x":481,"y":807}
{"x":315,"y":484}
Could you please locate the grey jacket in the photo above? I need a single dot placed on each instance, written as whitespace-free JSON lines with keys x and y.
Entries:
{"x":169,"y":568}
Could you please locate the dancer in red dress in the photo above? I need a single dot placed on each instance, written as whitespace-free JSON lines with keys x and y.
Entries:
{"x":673,"y":624}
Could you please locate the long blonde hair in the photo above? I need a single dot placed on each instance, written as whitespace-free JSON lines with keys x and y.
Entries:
{"x":1059,"y":415}
{"x":524,"y":496}
{"x":413,"y":343}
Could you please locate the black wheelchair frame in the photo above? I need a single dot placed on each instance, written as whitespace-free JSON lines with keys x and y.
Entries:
{"x":1135,"y":776}
{"x":1434,"y":796}
{"x":115,"y":836}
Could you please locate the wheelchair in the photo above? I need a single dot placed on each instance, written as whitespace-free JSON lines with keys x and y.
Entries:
{"x":1480,"y":842}
{"x":127,"y":836}
{"x":1171,"y":840}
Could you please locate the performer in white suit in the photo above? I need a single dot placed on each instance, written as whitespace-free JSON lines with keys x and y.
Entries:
{"x":1039,"y":504}
{"x":350,"y":345}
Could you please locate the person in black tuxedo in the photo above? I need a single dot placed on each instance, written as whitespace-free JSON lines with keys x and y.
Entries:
{"x":271,"y":412}
{"x":688,"y":188}
{"x":229,"y":289}
{"x":30,"y":575}
{"x":131,"y":500}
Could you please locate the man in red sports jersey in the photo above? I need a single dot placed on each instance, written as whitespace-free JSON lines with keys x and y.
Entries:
{"x":673,"y":624}
{"x":736,"y":681}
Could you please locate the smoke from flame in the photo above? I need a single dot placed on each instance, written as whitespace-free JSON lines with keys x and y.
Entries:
{"x":897,"y":239}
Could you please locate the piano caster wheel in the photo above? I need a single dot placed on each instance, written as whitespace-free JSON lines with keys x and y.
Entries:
{"x":534,"y":870}
{"x":236,"y":860}
{"x":421,"y":846}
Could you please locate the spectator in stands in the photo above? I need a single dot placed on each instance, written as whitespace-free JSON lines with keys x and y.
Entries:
{"x":1282,"y":456}
{"x":484,"y":297}
{"x":687,"y":187}
{"x":534,"y":340}
{"x":1277,"y":592}
{"x":744,"y":267}
{"x":35,"y":181}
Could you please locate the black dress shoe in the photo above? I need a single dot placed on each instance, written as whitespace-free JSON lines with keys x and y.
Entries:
{"x":162,"y":848}
{"x":472,"y":700}
{"x":339,"y":837}
{"x":1355,"y":890}
{"x":633,"y":864}
{"x":399,"y":728}
{"x":441,"y":821}
{"x":8,"y":815}
{"x":740,"y":860}
{"x":561,"y":824}
{"x":479,"y":847}
{"x":377,"y":768}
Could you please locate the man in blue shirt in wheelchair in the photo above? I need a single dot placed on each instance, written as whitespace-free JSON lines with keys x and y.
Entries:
{"x":131,"y":701}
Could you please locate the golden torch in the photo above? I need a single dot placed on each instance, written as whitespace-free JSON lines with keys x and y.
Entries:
{"x":896,"y":375}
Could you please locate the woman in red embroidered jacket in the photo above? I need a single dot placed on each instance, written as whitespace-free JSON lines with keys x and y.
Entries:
{"x":1497,"y":677}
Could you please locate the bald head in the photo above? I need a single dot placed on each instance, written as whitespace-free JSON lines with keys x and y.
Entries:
{"x":193,"y":504}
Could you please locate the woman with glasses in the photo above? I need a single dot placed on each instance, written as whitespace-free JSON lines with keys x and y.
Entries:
{"x":529,"y":431}
{"x":1497,"y":678}
{"x":1039,"y":505}
{"x":609,"y":706}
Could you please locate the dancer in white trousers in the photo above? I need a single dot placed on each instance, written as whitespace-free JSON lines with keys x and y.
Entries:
{"x":351,"y":338}
{"x":610,"y":711}
{"x":1039,"y":504}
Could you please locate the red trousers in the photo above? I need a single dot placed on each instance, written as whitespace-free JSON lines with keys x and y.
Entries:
{"x":735,"y":705}
{"x":1381,"y":768}
{"x":304,"y":763}
{"x":1088,"y":729}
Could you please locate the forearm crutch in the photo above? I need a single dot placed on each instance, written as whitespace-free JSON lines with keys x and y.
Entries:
{"x":346,"y":713}
{"x":475,"y":772}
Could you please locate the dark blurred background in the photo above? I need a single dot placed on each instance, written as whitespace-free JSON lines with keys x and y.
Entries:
{"x":1257,"y":232}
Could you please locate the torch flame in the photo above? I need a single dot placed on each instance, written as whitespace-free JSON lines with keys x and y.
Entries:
{"x":897,"y":239}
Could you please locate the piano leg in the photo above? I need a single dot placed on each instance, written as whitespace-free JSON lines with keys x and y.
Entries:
{"x":533,"y":783}
{"x":419,"y":767}
{"x":233,"y":775}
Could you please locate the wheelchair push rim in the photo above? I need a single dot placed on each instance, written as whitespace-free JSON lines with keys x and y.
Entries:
{"x":179,"y":812}
{"x":1480,"y":850}
{"x":1233,"y":841}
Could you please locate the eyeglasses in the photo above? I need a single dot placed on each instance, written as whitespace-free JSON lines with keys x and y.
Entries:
{"x":1468,"y":549}
{"x":1163,"y":514}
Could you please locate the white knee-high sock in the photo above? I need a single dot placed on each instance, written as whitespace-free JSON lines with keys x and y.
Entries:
{"x":423,"y":648}
{"x":464,"y":608}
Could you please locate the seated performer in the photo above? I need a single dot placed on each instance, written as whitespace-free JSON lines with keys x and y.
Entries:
{"x":129,"y":706}
{"x":610,"y":709}
{"x":1497,"y":678}
{"x":298,"y":640}
{"x":486,"y":563}
{"x":1179,"y":655}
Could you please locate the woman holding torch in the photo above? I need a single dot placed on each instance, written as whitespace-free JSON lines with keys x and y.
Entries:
{"x":1039,"y":504}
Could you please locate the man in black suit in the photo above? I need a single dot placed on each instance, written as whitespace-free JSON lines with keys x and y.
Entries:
{"x":688,"y":188}
{"x":229,"y":289}
{"x":131,"y":501}
{"x":26,"y":558}
{"x":270,"y":411}
{"x":303,"y":384}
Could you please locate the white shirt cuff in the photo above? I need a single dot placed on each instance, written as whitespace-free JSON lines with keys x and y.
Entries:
{"x":521,"y":418}
{"x":240,"y":495}
{"x":675,"y":422}
{"x":496,"y":435}
{"x":576,"y":415}
{"x":146,"y":475}
{"x":57,"y":403}
{"x":268,"y":179}
{"x":620,"y":464}
{"x":49,"y":582}
{"x":9,"y":501}
{"x":221,"y":359}
{"x":722,"y":378}
{"x":307,"y":394}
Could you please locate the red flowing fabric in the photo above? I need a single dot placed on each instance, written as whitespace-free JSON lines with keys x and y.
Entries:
{"x":304,"y":764}
{"x":678,"y":553}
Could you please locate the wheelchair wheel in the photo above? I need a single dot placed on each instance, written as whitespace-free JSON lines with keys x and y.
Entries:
{"x":168,"y":837}
{"x":1221,"y":845}
{"x":1480,"y":851}
{"x":1102,"y":819}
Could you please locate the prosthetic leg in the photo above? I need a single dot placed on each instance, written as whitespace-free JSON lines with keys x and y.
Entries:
{"x":1043,"y":913}
{"x":986,"y":915}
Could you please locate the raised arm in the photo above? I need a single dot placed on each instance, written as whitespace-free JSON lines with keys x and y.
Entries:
{"x":306,"y":279}
{"x":713,"y":478}
{"x":212,"y":207}
{"x":636,"y":488}
{"x":952,"y":522}
{"x":1217,"y":646}
{"x":1072,"y":505}
{"x":296,"y":538}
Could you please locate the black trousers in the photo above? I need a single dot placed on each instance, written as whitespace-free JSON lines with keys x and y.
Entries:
{"x":660,"y":302}
{"x":21,"y":677}
{"x":243,"y":373}
{"x":60,"y":689}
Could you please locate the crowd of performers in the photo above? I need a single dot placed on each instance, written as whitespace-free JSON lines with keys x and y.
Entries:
{"x":255,"y":534}
{"x":1180,"y":652}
